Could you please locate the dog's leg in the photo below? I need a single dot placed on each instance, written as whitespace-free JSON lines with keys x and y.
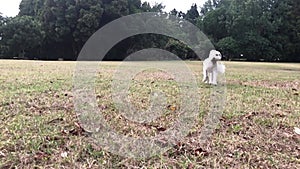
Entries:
{"x":214,"y":77}
{"x":205,"y":75}
{"x":210,"y":77}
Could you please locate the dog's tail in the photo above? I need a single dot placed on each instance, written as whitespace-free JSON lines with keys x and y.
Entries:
{"x":221,"y":68}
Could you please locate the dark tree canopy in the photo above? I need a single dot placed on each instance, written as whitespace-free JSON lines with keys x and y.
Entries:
{"x":254,"y":29}
{"x":241,"y":29}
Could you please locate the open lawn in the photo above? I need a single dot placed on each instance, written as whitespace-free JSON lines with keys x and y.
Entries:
{"x":40,"y":129}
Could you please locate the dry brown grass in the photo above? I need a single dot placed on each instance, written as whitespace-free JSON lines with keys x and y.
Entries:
{"x":40,"y":129}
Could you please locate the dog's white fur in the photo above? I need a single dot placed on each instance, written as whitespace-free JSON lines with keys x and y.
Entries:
{"x":211,"y":67}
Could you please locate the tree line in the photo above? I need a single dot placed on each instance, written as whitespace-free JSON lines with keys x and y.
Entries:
{"x":253,"y":30}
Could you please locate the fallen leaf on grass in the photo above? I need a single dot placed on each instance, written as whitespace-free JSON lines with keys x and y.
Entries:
{"x":77,"y":125}
{"x":40,"y":155}
{"x":200,"y":152}
{"x":57,"y":120}
{"x":191,"y":166}
{"x":250,"y":115}
{"x":297,"y":130}
{"x":172,"y":107}
{"x":287,"y":135}
{"x":2,"y":154}
{"x":64,"y":155}
{"x":161,"y":129}
{"x":78,"y":130}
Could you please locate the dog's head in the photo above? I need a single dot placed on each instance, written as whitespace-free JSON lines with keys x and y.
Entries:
{"x":215,"y":55}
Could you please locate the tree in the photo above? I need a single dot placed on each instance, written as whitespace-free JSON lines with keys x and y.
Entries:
{"x":260,"y":29}
{"x":114,"y":9}
{"x":21,"y":36}
{"x":30,"y":7}
{"x":174,"y":12}
{"x":88,"y":21}
{"x":68,"y":24}
{"x":229,"y":47}
{"x":208,"y":6}
{"x":215,"y":24}
{"x":2,"y":19}
{"x":192,"y":14}
{"x":134,"y":6}
{"x":158,"y":7}
{"x":286,"y":17}
{"x":3,"y":48}
{"x":146,"y":7}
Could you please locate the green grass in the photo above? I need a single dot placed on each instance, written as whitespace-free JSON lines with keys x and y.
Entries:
{"x":40,"y":129}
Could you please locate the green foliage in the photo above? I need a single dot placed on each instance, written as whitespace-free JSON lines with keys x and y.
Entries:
{"x":21,"y":36}
{"x":30,"y":7}
{"x":192,"y":14}
{"x":88,"y":21}
{"x":59,"y":29}
{"x":259,"y":29}
{"x":214,"y":24}
{"x":230,"y":47}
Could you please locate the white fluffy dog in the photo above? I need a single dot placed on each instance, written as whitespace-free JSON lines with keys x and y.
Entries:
{"x":211,"y":67}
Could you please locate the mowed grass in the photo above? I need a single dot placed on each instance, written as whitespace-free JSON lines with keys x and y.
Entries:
{"x":40,"y":129}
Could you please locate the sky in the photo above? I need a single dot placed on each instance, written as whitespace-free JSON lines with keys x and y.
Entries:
{"x":11,"y":7}
{"x":179,"y":5}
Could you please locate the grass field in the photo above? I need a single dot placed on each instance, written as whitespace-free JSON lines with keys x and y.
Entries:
{"x":40,"y":129}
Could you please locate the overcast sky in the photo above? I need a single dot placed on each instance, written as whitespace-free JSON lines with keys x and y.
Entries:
{"x":11,"y":7}
{"x":179,"y":5}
